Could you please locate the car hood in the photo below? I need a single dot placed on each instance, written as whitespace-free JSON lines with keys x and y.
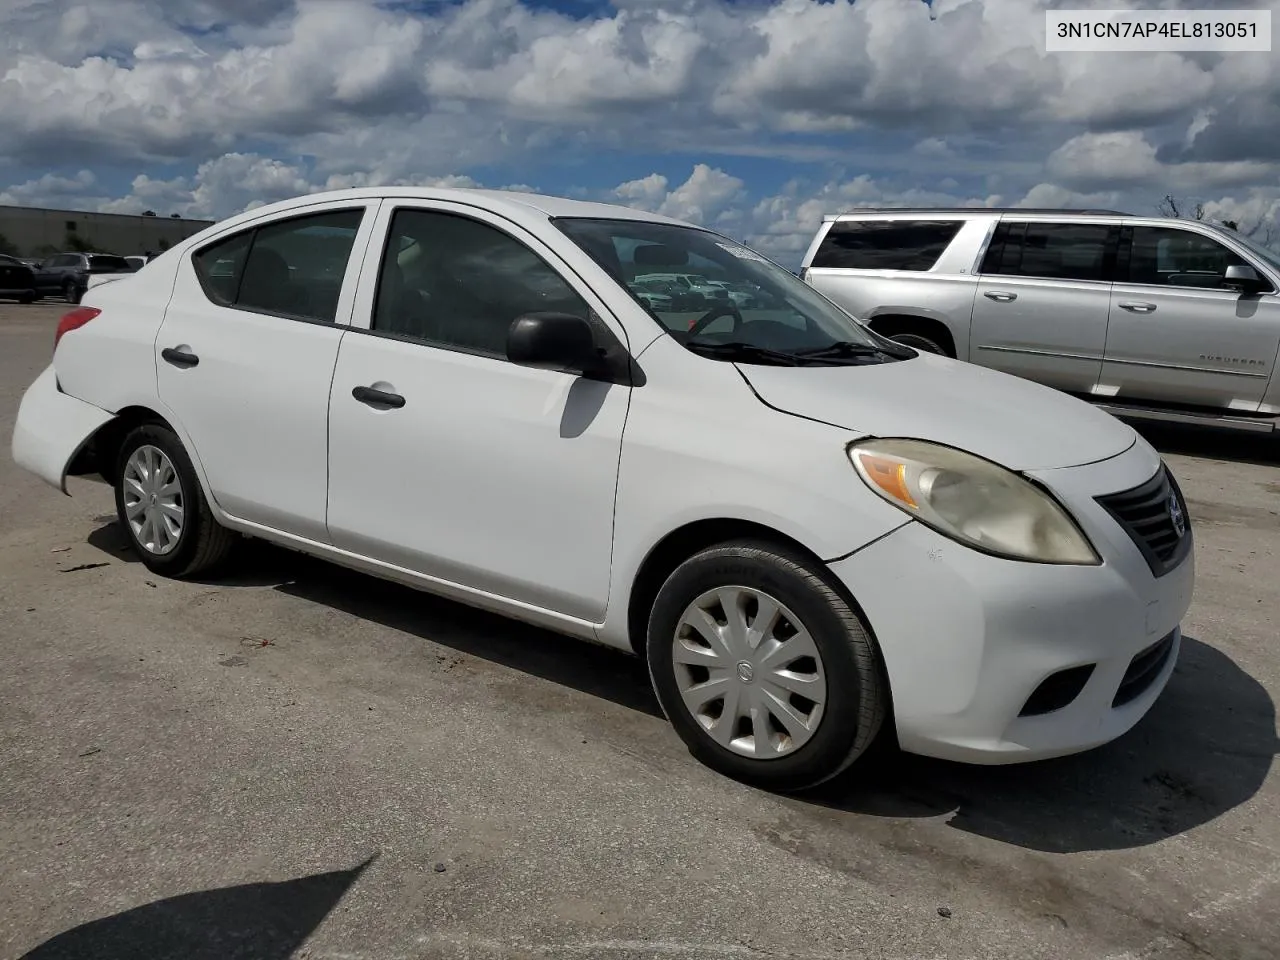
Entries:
{"x":1014,"y":422}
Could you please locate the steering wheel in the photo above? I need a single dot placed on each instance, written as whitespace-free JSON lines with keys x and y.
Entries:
{"x":722,"y":309}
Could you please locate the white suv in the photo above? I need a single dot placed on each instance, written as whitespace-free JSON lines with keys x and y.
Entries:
{"x":1150,"y":317}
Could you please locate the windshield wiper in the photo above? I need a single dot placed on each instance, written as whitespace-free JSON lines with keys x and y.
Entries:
{"x":747,"y":352}
{"x":847,"y":349}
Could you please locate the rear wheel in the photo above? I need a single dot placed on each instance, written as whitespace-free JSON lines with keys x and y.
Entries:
{"x":764,"y":670}
{"x":70,"y":292}
{"x":161,"y":507}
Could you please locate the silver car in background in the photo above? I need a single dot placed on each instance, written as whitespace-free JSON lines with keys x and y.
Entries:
{"x":1149,"y":317}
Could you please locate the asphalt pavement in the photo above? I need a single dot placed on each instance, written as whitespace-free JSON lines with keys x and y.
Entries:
{"x":298,"y":760}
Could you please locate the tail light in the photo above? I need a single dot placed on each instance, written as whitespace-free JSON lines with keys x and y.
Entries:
{"x":74,"y":321}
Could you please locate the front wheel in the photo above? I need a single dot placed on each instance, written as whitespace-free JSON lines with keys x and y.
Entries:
{"x":161,"y":507}
{"x":765,"y":671}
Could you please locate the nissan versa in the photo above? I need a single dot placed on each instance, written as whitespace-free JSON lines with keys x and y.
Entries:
{"x":815,"y":535}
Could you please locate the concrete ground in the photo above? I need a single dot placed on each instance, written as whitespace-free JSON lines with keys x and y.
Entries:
{"x":299,"y":760}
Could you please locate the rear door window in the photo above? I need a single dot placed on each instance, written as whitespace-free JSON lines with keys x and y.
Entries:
{"x":1053,"y":251}
{"x":885,"y":244}
{"x":291,"y":268}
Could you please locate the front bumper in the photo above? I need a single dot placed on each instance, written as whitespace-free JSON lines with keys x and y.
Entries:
{"x":968,"y":638}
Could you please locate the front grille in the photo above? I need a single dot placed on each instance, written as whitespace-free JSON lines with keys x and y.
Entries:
{"x":1143,"y":670}
{"x":1147,"y":514}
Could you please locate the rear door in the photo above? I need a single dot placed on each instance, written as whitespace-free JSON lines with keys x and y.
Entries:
{"x":1177,"y":335}
{"x":1043,"y":298}
{"x":246,"y":354}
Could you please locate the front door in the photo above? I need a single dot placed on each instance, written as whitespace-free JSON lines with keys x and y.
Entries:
{"x":1041,"y":306}
{"x":245,"y":357}
{"x":1177,"y":335}
{"x":463,"y":466}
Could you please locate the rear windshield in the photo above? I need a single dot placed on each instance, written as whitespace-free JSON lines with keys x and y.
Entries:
{"x":885,"y":244}
{"x":100,"y":261}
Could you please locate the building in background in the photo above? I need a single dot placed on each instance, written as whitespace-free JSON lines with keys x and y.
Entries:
{"x":40,"y":232}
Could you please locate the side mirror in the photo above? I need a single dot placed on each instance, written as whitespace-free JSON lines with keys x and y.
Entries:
{"x":1243,"y":278}
{"x":555,"y":341}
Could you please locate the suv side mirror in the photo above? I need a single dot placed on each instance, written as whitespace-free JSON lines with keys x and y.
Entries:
{"x":1243,"y":278}
{"x":556,"y":341}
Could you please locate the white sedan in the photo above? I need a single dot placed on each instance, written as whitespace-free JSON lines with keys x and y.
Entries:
{"x":815,"y":536}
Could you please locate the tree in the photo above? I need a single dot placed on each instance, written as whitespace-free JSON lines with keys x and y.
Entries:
{"x":1261,"y":231}
{"x":1171,"y":206}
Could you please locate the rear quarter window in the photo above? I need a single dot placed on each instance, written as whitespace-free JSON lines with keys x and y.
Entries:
{"x":885,"y":244}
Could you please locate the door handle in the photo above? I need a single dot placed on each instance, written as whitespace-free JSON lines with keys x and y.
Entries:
{"x":179,"y":357}
{"x":1000,"y":297}
{"x":1137,"y":306}
{"x":379,"y":399}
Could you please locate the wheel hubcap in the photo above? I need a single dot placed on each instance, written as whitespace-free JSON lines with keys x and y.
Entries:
{"x":153,"y":501}
{"x":749,"y":672}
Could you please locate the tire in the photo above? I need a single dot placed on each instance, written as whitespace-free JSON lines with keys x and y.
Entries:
{"x":70,"y":292}
{"x":855,"y":699}
{"x":920,"y":342}
{"x":27,"y":298}
{"x":200,"y":544}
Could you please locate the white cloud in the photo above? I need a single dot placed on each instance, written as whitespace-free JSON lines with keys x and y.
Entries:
{"x":878,"y":102}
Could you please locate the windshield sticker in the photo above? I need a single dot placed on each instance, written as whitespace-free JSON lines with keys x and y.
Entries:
{"x":742,"y":253}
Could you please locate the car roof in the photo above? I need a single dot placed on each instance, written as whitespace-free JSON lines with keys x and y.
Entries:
{"x":966,"y":212}
{"x":515,"y":204}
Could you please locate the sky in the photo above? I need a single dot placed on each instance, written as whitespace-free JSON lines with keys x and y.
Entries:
{"x":755,"y":118}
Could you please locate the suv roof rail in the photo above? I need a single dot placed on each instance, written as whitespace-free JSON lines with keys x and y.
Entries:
{"x":937,"y":210}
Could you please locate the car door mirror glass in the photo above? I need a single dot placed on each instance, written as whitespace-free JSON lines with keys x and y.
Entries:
{"x":1243,"y":278}
{"x":554,"y":341}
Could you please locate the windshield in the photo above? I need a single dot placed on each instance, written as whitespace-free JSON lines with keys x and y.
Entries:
{"x":706,"y":290}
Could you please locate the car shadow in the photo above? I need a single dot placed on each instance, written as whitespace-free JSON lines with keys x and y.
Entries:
{"x":253,"y":921}
{"x":1211,"y":443}
{"x":1205,"y":748}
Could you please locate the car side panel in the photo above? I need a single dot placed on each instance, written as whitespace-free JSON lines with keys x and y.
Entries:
{"x":51,"y":427}
{"x":110,"y":361}
{"x":705,"y":447}
{"x":1051,"y":331}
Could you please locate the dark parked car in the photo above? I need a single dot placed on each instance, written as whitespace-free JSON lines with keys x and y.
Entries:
{"x":17,"y":281}
{"x":67,"y":274}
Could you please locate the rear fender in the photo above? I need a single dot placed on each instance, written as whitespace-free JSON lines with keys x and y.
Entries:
{"x":51,"y":428}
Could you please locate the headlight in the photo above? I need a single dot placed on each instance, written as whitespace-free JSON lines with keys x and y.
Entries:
{"x":972,"y":500}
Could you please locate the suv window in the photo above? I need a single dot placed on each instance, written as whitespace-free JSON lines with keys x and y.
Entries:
{"x":1178,"y":258}
{"x":455,"y":282}
{"x":885,"y":244}
{"x":292,"y":268}
{"x":1053,"y":251}
{"x":100,"y":261}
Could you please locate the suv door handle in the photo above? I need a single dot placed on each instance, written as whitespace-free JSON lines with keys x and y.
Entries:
{"x":1000,"y":296}
{"x":179,"y":357}
{"x":1137,"y":306}
{"x":378,"y":399}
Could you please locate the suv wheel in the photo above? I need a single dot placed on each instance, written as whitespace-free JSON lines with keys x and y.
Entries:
{"x":70,"y":292}
{"x":920,"y":342}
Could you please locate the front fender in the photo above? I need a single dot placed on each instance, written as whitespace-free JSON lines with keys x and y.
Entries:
{"x":51,"y":428}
